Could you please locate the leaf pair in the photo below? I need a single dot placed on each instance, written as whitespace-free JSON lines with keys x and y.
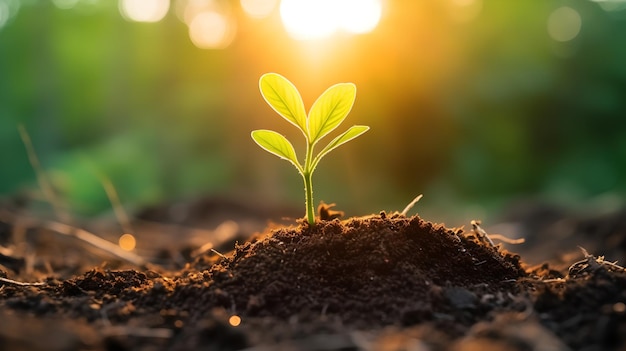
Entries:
{"x":326,"y":114}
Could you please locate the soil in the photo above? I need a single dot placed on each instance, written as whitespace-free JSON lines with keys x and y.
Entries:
{"x":381,"y":282}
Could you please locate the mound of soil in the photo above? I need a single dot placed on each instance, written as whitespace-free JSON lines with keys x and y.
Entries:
{"x":382,"y":282}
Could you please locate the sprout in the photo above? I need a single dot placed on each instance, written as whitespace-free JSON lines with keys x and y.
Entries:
{"x":326,"y":114}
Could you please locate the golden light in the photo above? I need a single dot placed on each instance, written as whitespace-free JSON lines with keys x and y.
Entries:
{"x":234,"y":320}
{"x":211,"y":30}
{"x":564,"y":24}
{"x":258,"y":8}
{"x":144,"y":10}
{"x":316,"y":19}
{"x":127,"y":242}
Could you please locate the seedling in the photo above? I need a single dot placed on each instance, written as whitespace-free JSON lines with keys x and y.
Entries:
{"x":326,"y":114}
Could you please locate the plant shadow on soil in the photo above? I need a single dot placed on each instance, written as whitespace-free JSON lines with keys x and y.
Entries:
{"x":380,"y":282}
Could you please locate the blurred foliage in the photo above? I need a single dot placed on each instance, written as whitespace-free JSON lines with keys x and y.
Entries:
{"x":467,"y":109}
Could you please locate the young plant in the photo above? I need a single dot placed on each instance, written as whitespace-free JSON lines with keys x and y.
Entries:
{"x":326,"y":114}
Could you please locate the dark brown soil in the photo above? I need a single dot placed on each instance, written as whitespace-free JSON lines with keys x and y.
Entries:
{"x":382,"y":282}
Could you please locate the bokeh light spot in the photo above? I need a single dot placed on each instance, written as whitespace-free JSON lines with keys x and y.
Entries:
{"x":127,"y":242}
{"x":211,"y":30}
{"x":144,"y":10}
{"x":8,"y":9}
{"x":258,"y":8}
{"x":234,"y":320}
{"x":315,"y":19}
{"x":564,"y":24}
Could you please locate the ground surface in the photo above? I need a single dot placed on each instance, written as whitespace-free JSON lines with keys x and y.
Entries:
{"x":381,"y":282}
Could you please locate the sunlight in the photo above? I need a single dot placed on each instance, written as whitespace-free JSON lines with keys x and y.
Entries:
{"x":144,"y":10}
{"x":315,"y":19}
{"x":258,"y":8}
{"x":211,"y":30}
{"x":307,"y":19}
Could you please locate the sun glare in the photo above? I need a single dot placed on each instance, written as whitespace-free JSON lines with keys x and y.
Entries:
{"x":316,"y":19}
{"x":144,"y":10}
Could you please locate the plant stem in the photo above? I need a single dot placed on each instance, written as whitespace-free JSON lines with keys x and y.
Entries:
{"x":308,"y":189}
{"x":308,"y":185}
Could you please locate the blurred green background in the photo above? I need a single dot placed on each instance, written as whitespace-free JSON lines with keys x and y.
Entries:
{"x":473,"y":103}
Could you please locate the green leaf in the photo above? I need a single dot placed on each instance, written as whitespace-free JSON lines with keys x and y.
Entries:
{"x":330,"y":109}
{"x":348,"y":135}
{"x":276,"y":144}
{"x":284,"y":98}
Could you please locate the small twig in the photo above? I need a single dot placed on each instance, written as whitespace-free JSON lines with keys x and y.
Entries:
{"x":217,"y":253}
{"x":411,"y":204}
{"x":118,"y":209}
{"x":481,"y":232}
{"x":506,"y":239}
{"x":593,"y":263}
{"x":224,"y":232}
{"x":95,"y":240}
{"x":15,"y":282}
{"x":83,"y":235}
{"x":42,"y":179}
